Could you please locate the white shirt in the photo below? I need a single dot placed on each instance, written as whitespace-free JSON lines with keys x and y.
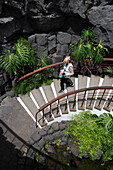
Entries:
{"x":67,"y":70}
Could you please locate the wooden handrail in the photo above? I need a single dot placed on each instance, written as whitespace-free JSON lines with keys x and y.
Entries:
{"x":40,"y":69}
{"x":52,"y":65}
{"x":73,"y":92}
{"x":108,"y":59}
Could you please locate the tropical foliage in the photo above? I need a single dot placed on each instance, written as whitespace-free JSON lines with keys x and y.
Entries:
{"x":109,"y":71}
{"x":21,"y":60}
{"x":92,"y":134}
{"x":85,"y":48}
{"x":36,"y":80}
{"x":20,"y":56}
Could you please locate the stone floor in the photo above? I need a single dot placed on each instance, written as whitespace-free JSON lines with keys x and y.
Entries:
{"x":16,"y":128}
{"x":18,"y":135}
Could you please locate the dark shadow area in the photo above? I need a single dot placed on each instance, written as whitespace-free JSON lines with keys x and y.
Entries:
{"x":8,"y":153}
{"x":75,"y":24}
{"x":12,"y":158}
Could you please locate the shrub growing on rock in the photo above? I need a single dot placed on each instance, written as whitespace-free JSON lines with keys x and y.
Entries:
{"x":92,"y":134}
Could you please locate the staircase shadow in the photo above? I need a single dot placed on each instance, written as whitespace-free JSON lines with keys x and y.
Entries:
{"x":10,"y":156}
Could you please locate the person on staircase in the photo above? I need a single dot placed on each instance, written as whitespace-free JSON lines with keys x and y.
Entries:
{"x":65,"y":74}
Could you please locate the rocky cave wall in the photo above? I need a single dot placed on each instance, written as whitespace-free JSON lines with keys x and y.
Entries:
{"x":51,"y":25}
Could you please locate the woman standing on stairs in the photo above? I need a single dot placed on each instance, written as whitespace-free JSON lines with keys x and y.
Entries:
{"x":66,"y":73}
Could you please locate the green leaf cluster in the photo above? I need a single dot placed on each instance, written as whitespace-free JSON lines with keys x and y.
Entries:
{"x":36,"y":155}
{"x":109,"y":71}
{"x":21,"y":55}
{"x":36,"y":80}
{"x":85,"y":48}
{"x":21,"y":60}
{"x":92,"y":134}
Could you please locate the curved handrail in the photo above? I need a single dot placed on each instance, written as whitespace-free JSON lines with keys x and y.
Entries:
{"x":73,"y":92}
{"x":52,"y":65}
{"x":40,"y":69}
{"x":108,"y":59}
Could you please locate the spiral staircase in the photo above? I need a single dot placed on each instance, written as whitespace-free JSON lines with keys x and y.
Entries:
{"x":66,"y":106}
{"x":44,"y":106}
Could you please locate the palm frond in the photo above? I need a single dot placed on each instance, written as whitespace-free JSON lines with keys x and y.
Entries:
{"x":9,"y":61}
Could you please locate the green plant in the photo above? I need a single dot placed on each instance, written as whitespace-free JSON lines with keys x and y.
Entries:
{"x":28,"y":84}
{"x":109,"y":71}
{"x":99,"y":52}
{"x":56,"y":142}
{"x":106,"y":120}
{"x":21,"y":60}
{"x":87,"y":49}
{"x":9,"y":62}
{"x":36,"y":155}
{"x":21,"y":55}
{"x":77,"y":51}
{"x":36,"y":80}
{"x":42,"y":150}
{"x":47,"y":144}
{"x":92,"y":134}
{"x":87,"y":34}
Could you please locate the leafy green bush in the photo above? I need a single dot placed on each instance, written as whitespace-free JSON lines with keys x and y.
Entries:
{"x":92,"y":135}
{"x":21,"y":55}
{"x":109,"y":71}
{"x":22,"y":60}
{"x":106,"y":121}
{"x":85,"y":48}
{"x":36,"y":80}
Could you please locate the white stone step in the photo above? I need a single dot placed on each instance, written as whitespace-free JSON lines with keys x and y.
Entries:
{"x":41,"y":100}
{"x":109,"y":102}
{"x":31,"y":108}
{"x":72,"y":98}
{"x":82,"y":83}
{"x":94,"y":82}
{"x":102,"y":96}
{"x":50,"y":95}
{"x":68,"y":105}
{"x":62,"y":102}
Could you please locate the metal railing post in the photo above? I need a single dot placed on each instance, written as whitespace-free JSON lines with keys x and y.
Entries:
{"x":92,"y":98}
{"x":43,"y":116}
{"x":66,"y":104}
{"x":36,"y":119}
{"x":102,"y":97}
{"x":83,"y":99}
{"x":58,"y":107}
{"x":50,"y":112}
{"x":109,"y":101}
{"x":74,"y":101}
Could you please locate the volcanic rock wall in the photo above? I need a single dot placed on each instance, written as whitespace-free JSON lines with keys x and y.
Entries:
{"x":51,"y":25}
